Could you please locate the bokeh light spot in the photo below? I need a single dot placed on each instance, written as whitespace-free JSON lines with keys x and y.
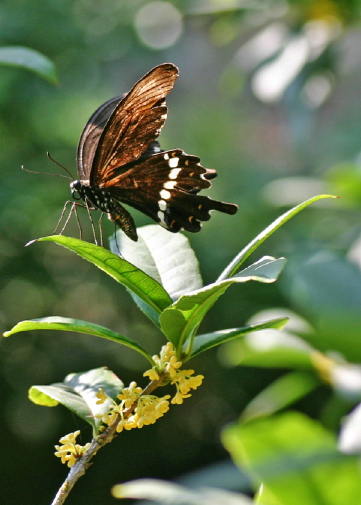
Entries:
{"x":159,"y":24}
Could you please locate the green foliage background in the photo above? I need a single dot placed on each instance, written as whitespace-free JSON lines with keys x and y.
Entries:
{"x":269,"y":156}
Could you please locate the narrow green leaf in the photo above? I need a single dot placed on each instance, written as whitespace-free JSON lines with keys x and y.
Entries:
{"x":138,"y":282}
{"x":169,"y":493}
{"x":296,"y":459}
{"x":78,"y":326}
{"x":267,"y":232}
{"x":207,"y":341}
{"x":166,"y":257}
{"x":30,"y":60}
{"x":270,"y":349}
{"x":180,"y":321}
{"x":78,"y":394}
{"x":280,"y":394}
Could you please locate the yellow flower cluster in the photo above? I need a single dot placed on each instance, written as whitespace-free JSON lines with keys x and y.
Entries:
{"x":69,"y":452}
{"x":167,"y":362}
{"x":184,"y":383}
{"x":148,"y":408}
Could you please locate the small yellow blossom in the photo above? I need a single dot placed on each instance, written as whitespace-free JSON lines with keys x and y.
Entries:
{"x":166,"y":353}
{"x":102,"y":396}
{"x":172,"y":366}
{"x":69,"y":452}
{"x":110,"y":416}
{"x":165,"y":362}
{"x":184,"y":383}
{"x":149,"y":409}
{"x":152,"y":374}
{"x":130,"y":395}
{"x":178,"y":398}
{"x":126,"y":424}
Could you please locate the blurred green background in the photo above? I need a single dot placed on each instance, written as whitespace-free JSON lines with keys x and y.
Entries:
{"x":269,"y":95}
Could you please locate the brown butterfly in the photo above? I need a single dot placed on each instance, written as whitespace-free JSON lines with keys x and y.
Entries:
{"x":119,"y":160}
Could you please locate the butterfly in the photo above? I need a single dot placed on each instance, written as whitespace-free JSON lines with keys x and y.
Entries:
{"x":120,"y":161}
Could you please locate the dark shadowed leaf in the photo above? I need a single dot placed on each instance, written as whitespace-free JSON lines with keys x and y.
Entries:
{"x":78,"y":326}
{"x":150,"y":292}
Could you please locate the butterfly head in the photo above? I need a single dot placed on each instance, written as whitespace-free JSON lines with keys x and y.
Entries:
{"x":76,"y":190}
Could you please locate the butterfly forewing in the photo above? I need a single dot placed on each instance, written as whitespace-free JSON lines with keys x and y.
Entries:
{"x":89,"y":139}
{"x":135,"y":122}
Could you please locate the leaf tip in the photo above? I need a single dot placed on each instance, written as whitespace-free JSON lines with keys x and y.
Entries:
{"x":31,"y":242}
{"x":117,"y":491}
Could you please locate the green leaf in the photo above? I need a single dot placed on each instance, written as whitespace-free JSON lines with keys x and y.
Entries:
{"x":68,"y":324}
{"x":296,"y":459}
{"x":327,"y":287}
{"x":169,"y":493}
{"x":267,"y":232}
{"x":207,"y":341}
{"x":166,"y":257}
{"x":180,"y":321}
{"x":30,"y":60}
{"x":77,"y":393}
{"x":152,"y":294}
{"x":41,"y":398}
{"x":280,"y":394}
{"x":270,"y":349}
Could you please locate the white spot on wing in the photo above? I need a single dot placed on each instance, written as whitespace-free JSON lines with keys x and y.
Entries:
{"x":173,"y":162}
{"x":173,"y":174}
{"x":161,"y":217}
{"x":162,"y":204}
{"x":169,"y":184}
{"x":166,"y":156}
{"x":164,"y":194}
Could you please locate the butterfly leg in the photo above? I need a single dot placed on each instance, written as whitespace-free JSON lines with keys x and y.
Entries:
{"x":78,"y":220}
{"x":101,"y":229}
{"x":116,"y":240}
{"x":89,"y":209}
{"x":62,"y":215}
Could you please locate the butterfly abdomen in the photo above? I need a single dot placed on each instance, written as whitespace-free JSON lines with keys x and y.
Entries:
{"x":96,"y":197}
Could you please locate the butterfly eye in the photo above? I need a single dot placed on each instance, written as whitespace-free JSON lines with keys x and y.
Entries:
{"x":75,"y":187}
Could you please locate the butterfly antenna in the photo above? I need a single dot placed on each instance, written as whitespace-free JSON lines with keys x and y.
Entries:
{"x":44,"y":173}
{"x":49,"y":173}
{"x":59,"y":165}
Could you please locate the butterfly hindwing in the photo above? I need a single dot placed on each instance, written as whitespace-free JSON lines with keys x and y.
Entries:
{"x":165,"y":186}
